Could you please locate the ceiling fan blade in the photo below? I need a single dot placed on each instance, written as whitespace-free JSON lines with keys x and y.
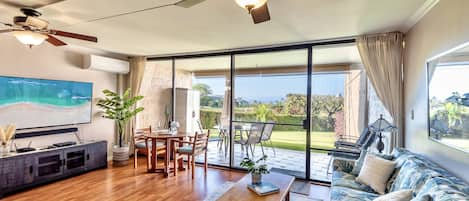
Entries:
{"x":7,"y":30}
{"x":188,"y":3}
{"x":54,"y":41}
{"x":29,"y":3}
{"x":260,"y":14}
{"x":74,"y":35}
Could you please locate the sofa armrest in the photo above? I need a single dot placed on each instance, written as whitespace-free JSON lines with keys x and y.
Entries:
{"x":343,"y":165}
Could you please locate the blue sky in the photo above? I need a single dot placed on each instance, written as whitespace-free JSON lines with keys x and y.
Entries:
{"x":267,"y":88}
{"x":449,"y":79}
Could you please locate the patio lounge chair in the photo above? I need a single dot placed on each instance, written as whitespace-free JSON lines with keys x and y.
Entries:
{"x":353,"y":152}
{"x":343,"y":144}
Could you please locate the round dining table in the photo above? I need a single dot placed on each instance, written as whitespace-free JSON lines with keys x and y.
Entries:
{"x":166,"y":137}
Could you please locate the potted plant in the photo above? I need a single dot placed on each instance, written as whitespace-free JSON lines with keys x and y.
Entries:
{"x":6,"y":134}
{"x":256,"y":168}
{"x":120,"y":109}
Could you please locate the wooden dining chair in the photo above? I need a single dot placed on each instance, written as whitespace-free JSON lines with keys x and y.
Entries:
{"x":141,"y":145}
{"x":196,"y":146}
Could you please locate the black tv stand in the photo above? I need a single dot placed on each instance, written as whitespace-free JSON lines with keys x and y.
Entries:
{"x":19,"y":171}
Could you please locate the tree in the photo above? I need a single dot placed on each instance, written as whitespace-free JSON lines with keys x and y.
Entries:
{"x":203,"y":88}
{"x":206,"y":97}
{"x":316,"y":106}
{"x":278,"y":106}
{"x":295,"y":104}
{"x":331,"y":105}
{"x":454,"y":114}
{"x":263,"y":113}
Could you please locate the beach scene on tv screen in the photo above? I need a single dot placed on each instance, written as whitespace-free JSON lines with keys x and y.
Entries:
{"x":449,"y":105}
{"x":33,"y":103}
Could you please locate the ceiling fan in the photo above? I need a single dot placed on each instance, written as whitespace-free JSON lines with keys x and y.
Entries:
{"x":32,"y":30}
{"x":258,"y":9}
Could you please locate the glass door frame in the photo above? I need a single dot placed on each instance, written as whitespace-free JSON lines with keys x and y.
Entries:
{"x":306,"y":123}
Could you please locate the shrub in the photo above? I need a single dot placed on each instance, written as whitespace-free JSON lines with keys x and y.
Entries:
{"x":210,"y":119}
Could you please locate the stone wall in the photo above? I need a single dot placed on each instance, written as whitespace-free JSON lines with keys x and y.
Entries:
{"x":156,"y":87}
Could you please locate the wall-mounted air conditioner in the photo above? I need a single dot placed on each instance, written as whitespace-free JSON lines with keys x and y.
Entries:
{"x":94,"y":62}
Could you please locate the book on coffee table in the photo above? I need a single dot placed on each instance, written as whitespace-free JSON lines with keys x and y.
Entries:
{"x":264,"y":188}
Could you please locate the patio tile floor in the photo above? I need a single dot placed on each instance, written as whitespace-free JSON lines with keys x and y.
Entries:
{"x":285,"y":160}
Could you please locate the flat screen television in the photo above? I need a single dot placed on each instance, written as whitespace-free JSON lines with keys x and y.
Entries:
{"x":37,"y":103}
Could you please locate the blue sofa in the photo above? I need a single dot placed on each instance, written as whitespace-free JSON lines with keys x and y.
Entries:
{"x":428,"y":181}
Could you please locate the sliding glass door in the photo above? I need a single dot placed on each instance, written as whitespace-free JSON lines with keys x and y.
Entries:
{"x":270,"y":91}
{"x":289,"y":104}
{"x":202,"y":102}
{"x":338,"y":103}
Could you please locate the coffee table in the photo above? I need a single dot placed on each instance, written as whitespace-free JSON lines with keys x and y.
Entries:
{"x":240,"y":192}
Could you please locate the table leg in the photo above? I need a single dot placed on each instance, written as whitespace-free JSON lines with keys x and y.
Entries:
{"x":287,"y":198}
{"x":168,"y":157}
{"x":181,"y":162}
{"x":154,"y":156}
{"x":148,"y":156}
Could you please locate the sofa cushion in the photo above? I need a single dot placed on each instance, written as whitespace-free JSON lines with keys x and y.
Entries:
{"x":427,"y":180}
{"x":344,"y":179}
{"x":339,"y":193}
{"x":376,"y":172}
{"x":439,"y":188}
{"x":412,"y":175}
{"x":359,"y":162}
{"x":402,"y":195}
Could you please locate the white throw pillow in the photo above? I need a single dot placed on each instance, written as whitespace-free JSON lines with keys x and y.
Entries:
{"x":402,"y":195}
{"x":375,"y":172}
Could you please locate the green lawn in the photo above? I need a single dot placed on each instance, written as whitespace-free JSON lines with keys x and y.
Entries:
{"x":296,"y":140}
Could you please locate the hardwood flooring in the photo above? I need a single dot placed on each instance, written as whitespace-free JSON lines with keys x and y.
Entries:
{"x":127,"y":183}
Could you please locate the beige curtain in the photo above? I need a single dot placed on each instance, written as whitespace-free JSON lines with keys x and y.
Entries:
{"x":382,"y":56}
{"x":134,"y":82}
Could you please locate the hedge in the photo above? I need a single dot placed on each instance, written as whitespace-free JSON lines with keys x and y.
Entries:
{"x":210,"y":119}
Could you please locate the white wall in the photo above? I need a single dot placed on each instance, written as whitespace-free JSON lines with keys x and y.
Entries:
{"x":62,"y":63}
{"x":445,"y":26}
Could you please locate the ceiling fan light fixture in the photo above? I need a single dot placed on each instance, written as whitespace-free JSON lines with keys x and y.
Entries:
{"x":29,"y":38}
{"x":250,"y":4}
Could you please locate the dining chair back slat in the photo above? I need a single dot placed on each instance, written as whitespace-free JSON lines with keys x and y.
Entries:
{"x":200,"y":141}
{"x":199,"y":144}
{"x":139,"y":138}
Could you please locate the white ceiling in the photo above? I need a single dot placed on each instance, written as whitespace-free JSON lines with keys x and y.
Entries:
{"x":221,"y":24}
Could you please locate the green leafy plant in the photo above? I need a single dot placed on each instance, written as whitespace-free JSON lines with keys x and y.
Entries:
{"x":119,"y":109}
{"x":263,"y":113}
{"x":256,"y":167}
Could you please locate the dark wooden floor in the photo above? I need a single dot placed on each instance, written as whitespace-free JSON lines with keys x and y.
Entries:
{"x":127,"y":183}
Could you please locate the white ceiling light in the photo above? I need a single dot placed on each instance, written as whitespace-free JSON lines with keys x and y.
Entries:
{"x":29,"y":38}
{"x":250,"y":4}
